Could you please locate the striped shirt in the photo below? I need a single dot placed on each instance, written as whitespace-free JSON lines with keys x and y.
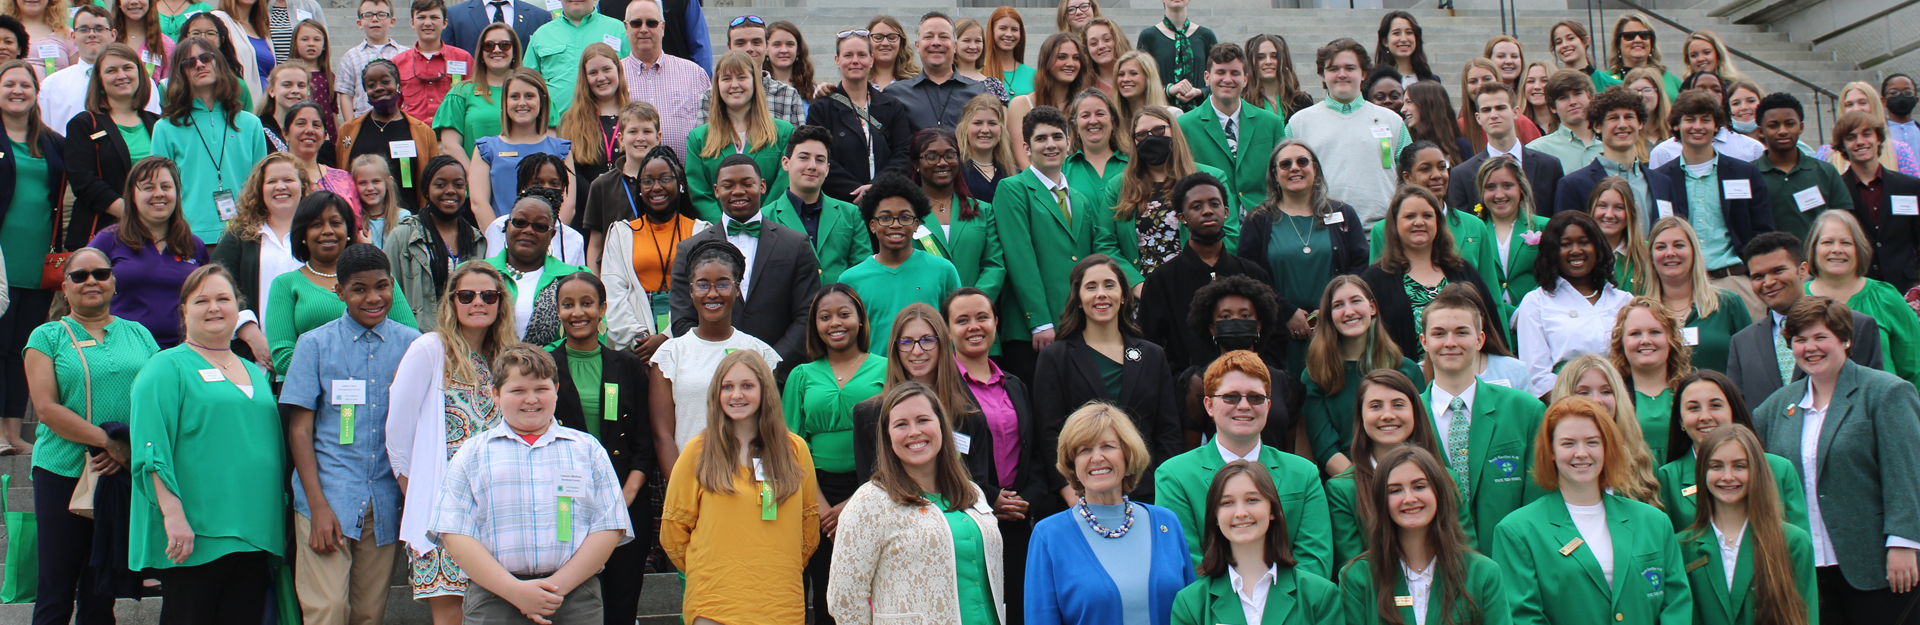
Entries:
{"x":346,"y":74}
{"x":503,"y":491}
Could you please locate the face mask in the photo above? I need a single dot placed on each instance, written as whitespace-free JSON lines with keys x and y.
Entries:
{"x":1745,"y":127}
{"x":1154,"y":151}
{"x":1236,"y":334}
{"x":1194,"y":237}
{"x":387,"y":105}
{"x":1902,"y":105}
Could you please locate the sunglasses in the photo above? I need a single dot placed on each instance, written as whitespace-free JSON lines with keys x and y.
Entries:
{"x":1302,"y":162}
{"x":639,"y":22}
{"x":536,"y":226}
{"x":747,"y":19}
{"x":1157,"y":131}
{"x":1636,"y":34}
{"x":857,"y":32}
{"x":1233,"y":399}
{"x":98,"y":275}
{"x":488,"y":296}
{"x":496,"y":46}
{"x":203,"y":58}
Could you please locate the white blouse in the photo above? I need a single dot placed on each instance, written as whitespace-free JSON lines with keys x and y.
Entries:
{"x":1555,"y":327}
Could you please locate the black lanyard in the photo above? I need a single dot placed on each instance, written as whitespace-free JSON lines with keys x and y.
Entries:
{"x":191,"y":121}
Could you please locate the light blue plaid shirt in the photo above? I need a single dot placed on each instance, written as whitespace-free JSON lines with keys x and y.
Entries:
{"x":500,"y":490}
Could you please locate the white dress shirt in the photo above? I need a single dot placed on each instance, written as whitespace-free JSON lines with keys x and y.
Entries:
{"x":1442,"y":418}
{"x":1729,"y":550}
{"x":1419,"y":588}
{"x":1229,"y":456}
{"x":1253,"y":601}
{"x":1518,"y":147}
{"x":1556,"y":327}
{"x":1226,"y":118}
{"x":63,"y":95}
{"x":749,"y":246}
{"x":1725,"y":141}
{"x":276,"y":257}
{"x":1810,"y":426}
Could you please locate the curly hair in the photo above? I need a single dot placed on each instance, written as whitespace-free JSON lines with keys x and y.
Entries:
{"x":1266,"y":306}
{"x":1546,"y":266}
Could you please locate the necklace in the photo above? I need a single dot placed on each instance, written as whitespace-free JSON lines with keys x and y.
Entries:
{"x":1306,"y":245}
{"x":319,"y":272}
{"x":379,"y":125}
{"x":986,"y":169}
{"x":1087,"y":514}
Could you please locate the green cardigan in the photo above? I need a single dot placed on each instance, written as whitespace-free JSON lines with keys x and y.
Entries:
{"x":703,"y":171}
{"x":1713,"y":604}
{"x":1041,"y":246}
{"x":1181,"y":485}
{"x":1678,"y":497}
{"x":1126,"y":232}
{"x":843,"y":240}
{"x":973,"y":246}
{"x":1500,"y":454}
{"x":1259,"y":133}
{"x":1483,"y":587}
{"x":1543,"y":586}
{"x":1297,"y":597}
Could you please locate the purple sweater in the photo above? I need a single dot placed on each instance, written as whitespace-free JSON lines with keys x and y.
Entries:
{"x":147,"y":283}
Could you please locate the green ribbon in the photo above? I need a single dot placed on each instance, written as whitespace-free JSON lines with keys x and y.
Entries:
{"x":768,"y":512}
{"x":346,"y":424}
{"x":1386,"y":153}
{"x":406,"y":172}
{"x":610,"y":405}
{"x":563,"y":531}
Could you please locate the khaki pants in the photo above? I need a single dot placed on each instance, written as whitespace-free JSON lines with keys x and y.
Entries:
{"x":348,"y":586}
{"x":1742,"y":286}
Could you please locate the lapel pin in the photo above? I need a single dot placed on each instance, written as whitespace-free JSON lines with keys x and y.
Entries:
{"x":1403,"y":601}
{"x":1133,"y":353}
{"x":1574,"y":544}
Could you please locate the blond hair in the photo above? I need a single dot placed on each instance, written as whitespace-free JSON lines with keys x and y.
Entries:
{"x":761,"y":131}
{"x":1706,"y":297}
{"x":499,"y":334}
{"x":1084,"y":427}
{"x":719,"y":449}
{"x":1639,"y":483}
{"x":1002,"y":156}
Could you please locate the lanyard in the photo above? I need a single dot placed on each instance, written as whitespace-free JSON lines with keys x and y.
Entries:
{"x":217,"y":160}
{"x":630,"y":203}
{"x":613,"y":141}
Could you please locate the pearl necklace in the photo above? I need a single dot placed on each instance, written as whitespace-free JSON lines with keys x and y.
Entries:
{"x":319,"y":272}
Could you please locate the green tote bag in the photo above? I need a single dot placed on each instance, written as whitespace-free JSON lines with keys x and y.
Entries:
{"x":22,"y":581}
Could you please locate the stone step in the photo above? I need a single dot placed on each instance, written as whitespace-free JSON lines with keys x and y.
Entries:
{"x":659,"y":605}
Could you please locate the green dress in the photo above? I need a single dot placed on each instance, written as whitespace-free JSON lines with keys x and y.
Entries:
{"x":219,"y":450}
{"x":819,"y":409}
{"x":1899,"y":328}
{"x":26,"y":235}
{"x":1653,"y":414}
{"x":1715,"y":332}
{"x":1329,"y":417}
{"x":113,"y":362}
{"x":298,"y":305}
{"x":464,"y":112}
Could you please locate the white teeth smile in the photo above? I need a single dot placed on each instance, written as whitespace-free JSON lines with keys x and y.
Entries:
{"x":1099,"y":471}
{"x":916,"y":445}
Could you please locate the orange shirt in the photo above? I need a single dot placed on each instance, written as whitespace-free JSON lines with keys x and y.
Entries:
{"x":653,"y":246}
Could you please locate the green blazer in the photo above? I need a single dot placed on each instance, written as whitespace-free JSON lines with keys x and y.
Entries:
{"x":1715,"y":604}
{"x":1678,"y":497}
{"x":843,"y":240}
{"x":973,"y":247}
{"x":1516,"y":280}
{"x":1181,"y":485}
{"x":1246,"y":173}
{"x":1127,"y":231}
{"x":1040,"y":247}
{"x":1297,"y":597}
{"x":1499,"y":456}
{"x":703,"y":171}
{"x":1546,"y":586}
{"x":1350,"y":536}
{"x":1472,"y":238}
{"x":1483,"y":587}
{"x":548,"y":273}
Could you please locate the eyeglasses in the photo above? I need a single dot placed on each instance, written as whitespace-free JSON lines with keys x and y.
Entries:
{"x":857,"y":32}
{"x":1233,"y":399}
{"x":747,"y":19}
{"x":926,"y":344}
{"x":375,"y":15}
{"x":537,"y":226}
{"x":91,"y":30}
{"x":496,"y":46}
{"x":888,"y":220}
{"x":888,"y":38}
{"x":1157,"y":131}
{"x":659,"y":182}
{"x":203,"y":58}
{"x":640,"y":22}
{"x":99,"y":275}
{"x":935,"y":157}
{"x":703,"y":286}
{"x":1646,"y":91}
{"x":1285,"y":164}
{"x":1631,"y":35}
{"x":1080,"y":8}
{"x":488,"y":296}
{"x":205,"y":34}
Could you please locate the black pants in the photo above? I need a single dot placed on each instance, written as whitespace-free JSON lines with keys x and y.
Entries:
{"x":1013,"y":539}
{"x":26,"y":310}
{"x":66,"y":548}
{"x":1842,"y":604}
{"x":836,"y":487}
{"x":231,"y":590}
{"x":626,"y":569}
{"x":1017,"y":358}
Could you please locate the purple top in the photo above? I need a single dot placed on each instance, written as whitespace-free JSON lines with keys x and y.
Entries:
{"x":1001,"y":419}
{"x":147,"y":283}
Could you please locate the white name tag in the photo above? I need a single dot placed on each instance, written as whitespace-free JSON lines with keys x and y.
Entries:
{"x":402,"y":149}
{"x":1809,"y":199}
{"x":611,"y":41}
{"x":1665,"y":208}
{"x":301,"y":16}
{"x":457,"y":68}
{"x":553,"y":5}
{"x":211,"y":375}
{"x":349,"y":392}
{"x":759,"y":472}
{"x":1691,"y":335}
{"x":1335,"y":218}
{"x":1737,"y":189}
{"x":146,"y":57}
{"x":1906,"y":205}
{"x":962,"y":442}
{"x":1381,"y":132}
{"x":570,"y":484}
{"x":980,"y":505}
{"x":1500,"y":382}
{"x":49,"y":51}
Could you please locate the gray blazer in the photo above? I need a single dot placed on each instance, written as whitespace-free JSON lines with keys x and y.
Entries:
{"x":1868,"y":459}
{"x":1751,"y":363}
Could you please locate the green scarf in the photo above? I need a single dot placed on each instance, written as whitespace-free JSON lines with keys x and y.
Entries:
{"x":1182,"y":50}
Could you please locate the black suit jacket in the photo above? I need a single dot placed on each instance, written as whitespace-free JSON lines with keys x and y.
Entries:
{"x":1542,"y":169}
{"x":1894,"y":239}
{"x":1745,"y":218}
{"x":785,"y":276}
{"x":1754,"y":368}
{"x":97,"y":166}
{"x":847,"y":160}
{"x":1167,"y":297}
{"x":1029,"y":478}
{"x":242,"y":259}
{"x":1067,"y":378}
{"x":467,"y":19}
{"x":628,"y":440}
{"x":1396,"y":310}
{"x":1576,"y":188}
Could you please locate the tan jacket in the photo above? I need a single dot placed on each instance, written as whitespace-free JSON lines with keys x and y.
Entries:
{"x":894,"y":564}
{"x":426,"y":145}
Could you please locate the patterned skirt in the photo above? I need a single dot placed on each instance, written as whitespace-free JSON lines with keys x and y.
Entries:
{"x":470,"y":411}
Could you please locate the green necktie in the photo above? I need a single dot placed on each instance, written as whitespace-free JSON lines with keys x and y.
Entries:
{"x":1784,"y":356}
{"x":1458,"y":440}
{"x":751,"y":228}
{"x":1060,"y":200}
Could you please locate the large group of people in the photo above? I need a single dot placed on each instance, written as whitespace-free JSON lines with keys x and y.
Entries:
{"x":1136,"y":334}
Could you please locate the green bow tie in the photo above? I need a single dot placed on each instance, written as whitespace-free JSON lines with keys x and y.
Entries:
{"x":751,"y":228}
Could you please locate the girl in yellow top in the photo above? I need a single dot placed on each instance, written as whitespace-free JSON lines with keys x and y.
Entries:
{"x":742,"y":515}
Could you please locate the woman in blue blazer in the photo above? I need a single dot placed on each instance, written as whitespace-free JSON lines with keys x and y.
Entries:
{"x":1107,"y":560}
{"x":1247,"y":544}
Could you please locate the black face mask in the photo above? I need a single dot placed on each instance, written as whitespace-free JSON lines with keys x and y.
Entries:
{"x":1236,"y":334}
{"x":1154,"y":151}
{"x":1196,"y":238}
{"x":1902,"y":105}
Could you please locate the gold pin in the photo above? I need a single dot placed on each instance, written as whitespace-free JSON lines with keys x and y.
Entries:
{"x":1575,"y":544}
{"x":1689,"y":491}
{"x":1696,"y":564}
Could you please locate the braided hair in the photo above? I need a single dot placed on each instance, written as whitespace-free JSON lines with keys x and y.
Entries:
{"x":439,"y":259}
{"x":683,"y":205}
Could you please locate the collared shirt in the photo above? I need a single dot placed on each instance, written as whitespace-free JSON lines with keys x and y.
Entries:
{"x":555,"y":49}
{"x":931,"y":103}
{"x":1344,"y":108}
{"x":425,"y":79}
{"x":276,"y":257}
{"x":997,"y":406}
{"x":1811,"y":420}
{"x":670,"y":84}
{"x":1807,"y":173}
{"x":1725,"y":142}
{"x":1516,"y":151}
{"x":1442,"y":417}
{"x":1870,"y":193}
{"x":1705,"y":215}
{"x":501,"y":490}
{"x":1729,"y":549}
{"x":1554,"y":327}
{"x":809,"y":213}
{"x":64,"y":95}
{"x":783,"y":101}
{"x":350,"y":455}
{"x":1419,"y":588}
{"x":1253,"y":599}
{"x":749,"y":246}
{"x":1573,"y":153}
{"x":1228,"y":455}
{"x":346,"y":74}
{"x":1636,"y":178}
{"x":1229,"y":122}
{"x":1908,"y":132}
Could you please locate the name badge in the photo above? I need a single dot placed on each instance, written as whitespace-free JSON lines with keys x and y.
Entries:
{"x":49,"y":51}
{"x":553,"y":5}
{"x":1906,"y":205}
{"x":1737,"y":189}
{"x":457,"y":68}
{"x":1696,"y":564}
{"x":146,"y":57}
{"x":1691,"y":335}
{"x":980,"y":506}
{"x":570,"y":483}
{"x":347,"y":392}
{"x":211,"y":375}
{"x":1809,"y":199}
{"x":1404,"y":602}
{"x":96,"y":136}
{"x":223,"y":203}
{"x":301,"y":16}
{"x":759,"y":472}
{"x":402,"y":149}
{"x":1500,"y":382}
{"x":1665,"y":208}
{"x":611,"y":41}
{"x":1335,"y":218}
{"x":86,"y":343}
{"x":962,"y":442}
{"x":1381,"y":132}
{"x":1574,"y":544}
{"x":1689,"y":491}
{"x":509,"y":154}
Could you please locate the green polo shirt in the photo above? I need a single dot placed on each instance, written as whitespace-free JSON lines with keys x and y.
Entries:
{"x":1808,"y":173}
{"x":555,"y":49}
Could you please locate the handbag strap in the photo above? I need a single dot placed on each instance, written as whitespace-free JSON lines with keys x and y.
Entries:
{"x":86,"y":374}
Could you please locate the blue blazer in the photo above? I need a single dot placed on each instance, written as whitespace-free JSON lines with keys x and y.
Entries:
{"x":1578,"y":186}
{"x":1745,"y":218}
{"x":1067,"y":585}
{"x":467,"y":19}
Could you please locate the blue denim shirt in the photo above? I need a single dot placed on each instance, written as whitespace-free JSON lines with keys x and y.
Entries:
{"x":357,"y":475}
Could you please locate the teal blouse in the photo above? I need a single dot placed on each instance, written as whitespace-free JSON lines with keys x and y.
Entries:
{"x":1019,"y":82}
{"x":1653,"y":414}
{"x":27,"y":233}
{"x":113,"y":360}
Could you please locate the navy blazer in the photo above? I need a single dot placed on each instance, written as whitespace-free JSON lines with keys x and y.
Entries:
{"x":1578,"y":186}
{"x":53,"y":148}
{"x":467,"y":19}
{"x":1894,"y":237}
{"x":1543,"y":173}
{"x":1745,"y":218}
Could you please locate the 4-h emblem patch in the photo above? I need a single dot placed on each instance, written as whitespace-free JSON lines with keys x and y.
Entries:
{"x":1654,"y":579}
{"x":1506,"y":466}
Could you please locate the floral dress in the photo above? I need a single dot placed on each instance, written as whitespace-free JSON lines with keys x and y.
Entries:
{"x":470,"y":411}
{"x":1159,"y":226}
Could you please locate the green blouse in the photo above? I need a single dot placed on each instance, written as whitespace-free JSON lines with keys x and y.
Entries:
{"x":170,"y":24}
{"x":1019,"y":82}
{"x":1899,"y":328}
{"x":1329,"y":417}
{"x":27,"y":232}
{"x":1714,"y":333}
{"x":970,"y":566}
{"x":113,"y":361}
{"x":464,"y":112}
{"x":1653,"y":414}
{"x":217,"y":449}
{"x":820,"y":410}
{"x":139,"y":141}
{"x":585,"y":369}
{"x":296,"y":305}
{"x":1111,"y":373}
